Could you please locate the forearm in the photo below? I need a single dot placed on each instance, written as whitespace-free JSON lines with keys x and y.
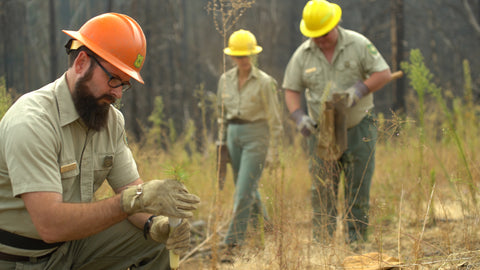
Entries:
{"x":292,"y":100}
{"x":57,"y":221}
{"x":377,"y":80}
{"x":139,"y":219}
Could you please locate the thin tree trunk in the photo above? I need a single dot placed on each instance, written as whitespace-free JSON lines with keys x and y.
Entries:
{"x":397,"y":36}
{"x":53,"y":35}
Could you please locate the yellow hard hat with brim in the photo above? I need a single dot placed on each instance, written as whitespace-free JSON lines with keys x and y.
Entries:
{"x":319,"y":17}
{"x":242,"y":43}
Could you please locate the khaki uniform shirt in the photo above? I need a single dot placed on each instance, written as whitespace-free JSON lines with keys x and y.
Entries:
{"x":257,"y":100}
{"x":355,"y":58}
{"x":45,"y":146}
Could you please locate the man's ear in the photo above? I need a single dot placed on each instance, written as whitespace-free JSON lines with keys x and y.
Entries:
{"x":82,"y":63}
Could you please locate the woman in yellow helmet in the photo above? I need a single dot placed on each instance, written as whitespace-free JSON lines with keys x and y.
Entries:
{"x":249,"y":112}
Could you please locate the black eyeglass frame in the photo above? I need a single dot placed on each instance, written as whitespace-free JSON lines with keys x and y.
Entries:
{"x":113,"y":81}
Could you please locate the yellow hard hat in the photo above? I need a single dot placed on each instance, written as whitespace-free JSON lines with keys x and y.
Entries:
{"x":117,"y":38}
{"x":319,"y":17}
{"x":242,"y":43}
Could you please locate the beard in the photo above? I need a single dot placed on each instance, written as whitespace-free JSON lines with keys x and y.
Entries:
{"x":93,"y":113}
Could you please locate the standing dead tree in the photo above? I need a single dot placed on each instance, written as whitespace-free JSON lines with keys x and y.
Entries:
{"x":471,"y":16}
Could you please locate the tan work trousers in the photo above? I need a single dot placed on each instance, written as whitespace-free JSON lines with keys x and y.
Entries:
{"x":121,"y":246}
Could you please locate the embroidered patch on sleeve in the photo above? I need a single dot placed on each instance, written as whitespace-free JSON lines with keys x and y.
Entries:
{"x":373,"y":51}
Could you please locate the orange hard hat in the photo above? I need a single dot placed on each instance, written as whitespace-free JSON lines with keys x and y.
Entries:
{"x":118,"y":39}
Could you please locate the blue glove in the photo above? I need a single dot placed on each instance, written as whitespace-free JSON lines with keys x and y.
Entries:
{"x":305,"y":124}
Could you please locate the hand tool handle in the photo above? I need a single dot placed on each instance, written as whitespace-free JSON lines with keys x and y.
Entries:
{"x":174,"y":258}
{"x":396,"y":75}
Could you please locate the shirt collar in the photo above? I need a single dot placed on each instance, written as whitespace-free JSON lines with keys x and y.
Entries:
{"x":66,"y":108}
{"x":253,"y":73}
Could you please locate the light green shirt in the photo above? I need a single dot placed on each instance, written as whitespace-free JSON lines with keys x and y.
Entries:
{"x":44,"y":146}
{"x":355,"y":58}
{"x":256,"y":100}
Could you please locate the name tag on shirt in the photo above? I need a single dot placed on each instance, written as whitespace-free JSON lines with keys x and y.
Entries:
{"x":310,"y":70}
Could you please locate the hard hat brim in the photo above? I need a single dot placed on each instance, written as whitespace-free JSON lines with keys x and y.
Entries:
{"x":105,"y":55}
{"x":327,"y":28}
{"x":256,"y":50}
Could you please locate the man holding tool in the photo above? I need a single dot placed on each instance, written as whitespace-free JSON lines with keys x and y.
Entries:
{"x":57,"y":146}
{"x":340,"y":69}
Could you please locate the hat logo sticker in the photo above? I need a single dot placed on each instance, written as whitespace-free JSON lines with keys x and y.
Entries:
{"x":139,"y":61}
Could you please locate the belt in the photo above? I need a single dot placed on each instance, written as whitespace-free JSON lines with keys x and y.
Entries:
{"x":22,"y":242}
{"x":19,"y":241}
{"x":238,"y":121}
{"x":17,"y":258}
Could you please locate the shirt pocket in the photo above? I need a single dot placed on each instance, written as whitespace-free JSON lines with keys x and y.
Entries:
{"x":69,"y":172}
{"x":348,"y":72}
{"x":313,"y":78}
{"x":102,"y":164}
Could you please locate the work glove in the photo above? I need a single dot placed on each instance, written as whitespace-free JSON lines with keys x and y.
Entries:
{"x":305,"y":124}
{"x":178,"y":240}
{"x":355,"y":93}
{"x":159,"y":197}
{"x":271,"y":160}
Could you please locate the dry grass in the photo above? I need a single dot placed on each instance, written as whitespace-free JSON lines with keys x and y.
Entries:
{"x":401,"y":226}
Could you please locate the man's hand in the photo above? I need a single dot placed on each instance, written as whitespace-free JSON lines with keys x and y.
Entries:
{"x":355,"y":93}
{"x":305,"y":124}
{"x":160,"y":197}
{"x":178,"y":240}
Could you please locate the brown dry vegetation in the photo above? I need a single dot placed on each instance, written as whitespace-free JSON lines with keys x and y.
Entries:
{"x":422,"y":211}
{"x":424,"y":194}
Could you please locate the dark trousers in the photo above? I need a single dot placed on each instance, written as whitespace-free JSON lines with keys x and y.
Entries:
{"x":357,"y":165}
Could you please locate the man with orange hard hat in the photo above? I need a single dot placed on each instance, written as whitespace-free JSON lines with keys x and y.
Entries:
{"x":336,"y":62}
{"x":57,"y":146}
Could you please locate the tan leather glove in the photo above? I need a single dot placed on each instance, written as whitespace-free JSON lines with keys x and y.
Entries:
{"x":160,"y":197}
{"x":178,"y":240}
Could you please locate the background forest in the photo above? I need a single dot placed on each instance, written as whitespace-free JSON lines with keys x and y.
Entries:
{"x":185,"y":40}
{"x":424,"y":196}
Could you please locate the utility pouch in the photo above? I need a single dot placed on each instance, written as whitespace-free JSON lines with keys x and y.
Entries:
{"x":222,"y":159}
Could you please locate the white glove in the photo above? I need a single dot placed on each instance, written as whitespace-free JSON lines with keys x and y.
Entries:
{"x":355,"y":93}
{"x":305,"y":124}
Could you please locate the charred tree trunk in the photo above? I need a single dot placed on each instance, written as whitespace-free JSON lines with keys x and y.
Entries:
{"x":397,"y":36}
{"x":52,"y":40}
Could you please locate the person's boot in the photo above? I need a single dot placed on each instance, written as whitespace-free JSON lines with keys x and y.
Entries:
{"x":228,"y":254}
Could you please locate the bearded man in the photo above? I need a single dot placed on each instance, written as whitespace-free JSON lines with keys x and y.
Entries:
{"x":57,"y":146}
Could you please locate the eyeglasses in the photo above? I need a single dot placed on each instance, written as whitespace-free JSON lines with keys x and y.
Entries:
{"x":113,"y":81}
